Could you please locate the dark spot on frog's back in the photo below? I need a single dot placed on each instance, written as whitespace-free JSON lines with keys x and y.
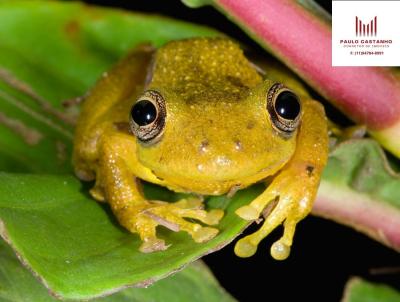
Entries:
{"x":122,"y":127}
{"x":236,"y":82}
{"x":250,"y":125}
{"x":309,"y":170}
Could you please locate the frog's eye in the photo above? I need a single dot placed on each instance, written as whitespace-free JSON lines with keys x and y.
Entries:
{"x":284,"y":109}
{"x":144,"y":113}
{"x":147,"y":117}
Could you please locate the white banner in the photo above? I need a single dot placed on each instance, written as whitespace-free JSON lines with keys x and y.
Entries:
{"x":365,"y":33}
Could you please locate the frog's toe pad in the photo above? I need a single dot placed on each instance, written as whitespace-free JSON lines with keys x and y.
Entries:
{"x":214,"y":216}
{"x":280,"y":250}
{"x":248,"y":213}
{"x":190,"y":203}
{"x":153,"y":245}
{"x":204,"y":234}
{"x":245,"y":248}
{"x":144,"y":220}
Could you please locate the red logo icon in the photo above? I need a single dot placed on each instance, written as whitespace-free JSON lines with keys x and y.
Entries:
{"x":369,"y":29}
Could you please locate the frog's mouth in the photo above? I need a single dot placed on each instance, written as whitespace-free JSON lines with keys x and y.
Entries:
{"x":215,"y":183}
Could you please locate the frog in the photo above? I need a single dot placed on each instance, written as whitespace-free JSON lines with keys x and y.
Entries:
{"x":197,"y":116}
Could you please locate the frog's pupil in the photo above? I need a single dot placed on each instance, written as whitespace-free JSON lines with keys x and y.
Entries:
{"x":287,"y":105}
{"x":144,"y":112}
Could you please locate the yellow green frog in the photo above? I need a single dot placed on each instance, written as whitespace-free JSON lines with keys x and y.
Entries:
{"x":197,"y":116}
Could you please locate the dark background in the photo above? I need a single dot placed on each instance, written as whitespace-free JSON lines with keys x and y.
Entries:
{"x":324,"y":256}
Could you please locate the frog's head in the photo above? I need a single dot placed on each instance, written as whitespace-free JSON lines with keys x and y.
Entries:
{"x":208,"y":119}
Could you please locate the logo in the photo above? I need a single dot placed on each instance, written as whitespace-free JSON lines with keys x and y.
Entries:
{"x":369,"y":29}
{"x":356,"y":38}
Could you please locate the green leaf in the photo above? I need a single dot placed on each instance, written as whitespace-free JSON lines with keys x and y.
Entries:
{"x":60,"y":53}
{"x":362,"y":166}
{"x":78,"y":248}
{"x":358,"y":290}
{"x":194,"y":283}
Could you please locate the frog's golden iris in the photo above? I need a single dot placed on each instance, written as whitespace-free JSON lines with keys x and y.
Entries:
{"x":284,"y":109}
{"x":201,"y":120}
{"x":147,"y":118}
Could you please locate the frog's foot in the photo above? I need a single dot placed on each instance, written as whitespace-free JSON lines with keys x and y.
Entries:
{"x":288,"y":199}
{"x":145,"y":218}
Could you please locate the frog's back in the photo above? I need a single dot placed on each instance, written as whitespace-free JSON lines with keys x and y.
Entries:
{"x":193,"y":66}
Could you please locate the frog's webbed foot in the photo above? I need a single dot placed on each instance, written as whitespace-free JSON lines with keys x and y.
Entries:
{"x":291,"y":195}
{"x":144,"y":219}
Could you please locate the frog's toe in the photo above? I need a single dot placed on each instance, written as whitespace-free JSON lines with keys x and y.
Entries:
{"x":173,"y":217}
{"x":211,"y":217}
{"x":146,"y":229}
{"x":248,"y":213}
{"x":145,"y":218}
{"x":198,"y":232}
{"x":97,"y":193}
{"x":245,"y":248}
{"x":190,"y":203}
{"x":290,"y":209}
{"x":204,"y":234}
{"x":280,"y":250}
{"x":153,"y":244}
{"x":260,"y":204}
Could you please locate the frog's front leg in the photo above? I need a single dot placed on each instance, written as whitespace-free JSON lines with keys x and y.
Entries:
{"x":293,"y":189}
{"x":139,"y":215}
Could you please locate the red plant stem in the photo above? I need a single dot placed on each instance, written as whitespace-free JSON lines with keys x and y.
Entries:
{"x":369,"y":95}
{"x":354,"y":209}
